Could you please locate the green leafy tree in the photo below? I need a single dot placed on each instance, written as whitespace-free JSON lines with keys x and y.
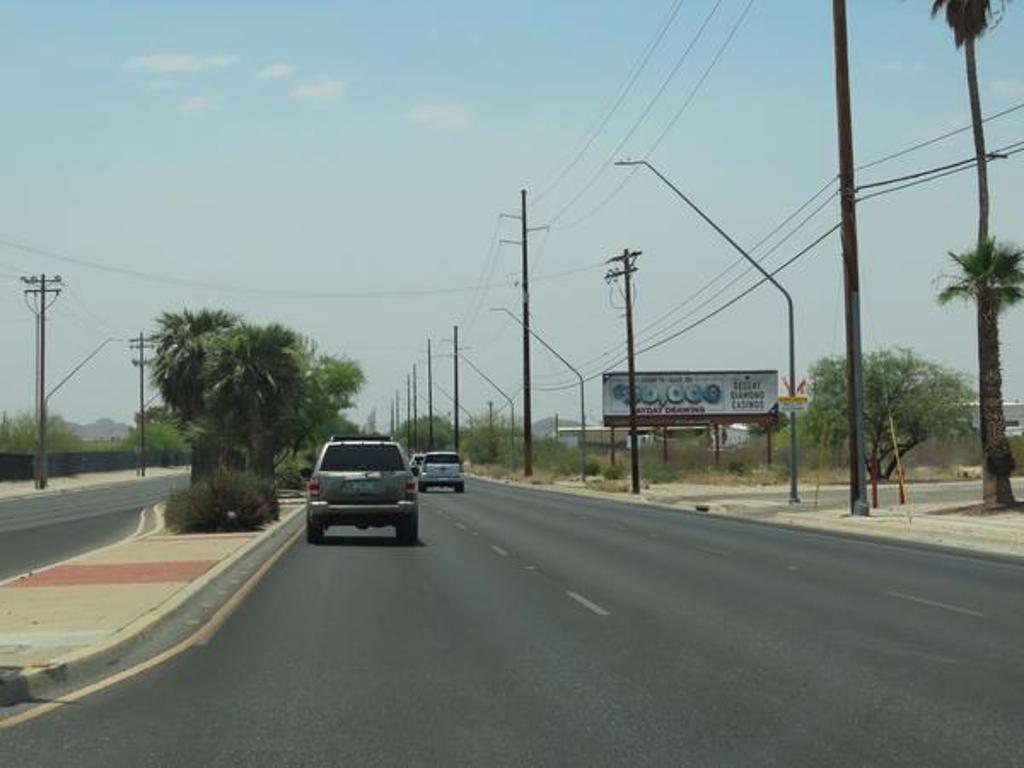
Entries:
{"x":18,"y":435}
{"x":329,"y":388}
{"x":991,"y":277}
{"x":444,"y":435}
{"x":161,"y":437}
{"x":924,"y":399}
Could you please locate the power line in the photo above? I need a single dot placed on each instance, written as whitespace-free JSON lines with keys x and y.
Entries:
{"x":654,"y":345}
{"x":937,"y":139}
{"x":643,"y":115}
{"x":280,"y":293}
{"x":917,"y":179}
{"x":648,"y":329}
{"x":671,"y":124}
{"x":638,"y":67}
{"x":486,"y":271}
{"x":1004,"y":152}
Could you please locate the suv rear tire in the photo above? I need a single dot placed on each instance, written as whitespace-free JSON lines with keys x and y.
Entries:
{"x":408,"y":530}
{"x":460,"y":488}
{"x":314,"y":533}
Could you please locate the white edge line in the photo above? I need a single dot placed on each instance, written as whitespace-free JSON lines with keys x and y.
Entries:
{"x":590,"y":606}
{"x":937,"y":604}
{"x":499,"y":550}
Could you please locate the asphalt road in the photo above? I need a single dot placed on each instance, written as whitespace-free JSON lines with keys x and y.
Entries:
{"x":46,"y":529}
{"x":544,"y":629}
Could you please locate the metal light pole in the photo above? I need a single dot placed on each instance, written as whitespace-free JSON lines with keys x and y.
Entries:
{"x":793,"y":494}
{"x":583,"y":411}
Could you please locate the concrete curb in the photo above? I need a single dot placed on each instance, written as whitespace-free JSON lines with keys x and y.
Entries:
{"x":83,"y":665}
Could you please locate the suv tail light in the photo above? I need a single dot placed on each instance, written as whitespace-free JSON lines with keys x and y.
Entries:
{"x":313,"y":486}
{"x":411,"y":486}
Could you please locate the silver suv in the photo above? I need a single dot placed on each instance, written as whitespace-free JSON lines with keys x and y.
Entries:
{"x":361,"y":481}
{"x":441,"y":470}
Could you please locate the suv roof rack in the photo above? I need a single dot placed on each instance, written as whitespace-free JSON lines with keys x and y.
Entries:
{"x":361,"y":438}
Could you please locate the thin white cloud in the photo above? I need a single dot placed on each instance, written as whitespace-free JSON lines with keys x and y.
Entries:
{"x":319,"y":93}
{"x":180,"y":62}
{"x":1009,"y":87}
{"x":195,"y":104}
{"x":274,"y":71}
{"x":439,"y":115}
{"x":898,"y":68}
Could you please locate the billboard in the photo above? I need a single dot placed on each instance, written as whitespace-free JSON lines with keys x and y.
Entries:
{"x":687,"y":397}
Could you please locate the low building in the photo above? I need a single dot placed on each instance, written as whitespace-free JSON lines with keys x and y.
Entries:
{"x":1013,"y":413}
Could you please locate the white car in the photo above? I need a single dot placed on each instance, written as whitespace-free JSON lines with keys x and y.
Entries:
{"x":441,"y":470}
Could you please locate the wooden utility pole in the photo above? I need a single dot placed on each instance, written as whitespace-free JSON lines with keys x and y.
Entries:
{"x":527,"y":405}
{"x":40,"y":288}
{"x":408,"y":413}
{"x":415,"y":410}
{"x":140,"y":345}
{"x":430,"y":397}
{"x":455,"y":375}
{"x":627,"y":260}
{"x":851,"y":269}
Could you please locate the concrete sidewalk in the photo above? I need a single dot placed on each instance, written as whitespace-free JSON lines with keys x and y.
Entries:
{"x":929,"y":520}
{"x":19,"y":489}
{"x":67,"y":612}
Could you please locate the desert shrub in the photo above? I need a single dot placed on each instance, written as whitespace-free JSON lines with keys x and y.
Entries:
{"x":225,"y":501}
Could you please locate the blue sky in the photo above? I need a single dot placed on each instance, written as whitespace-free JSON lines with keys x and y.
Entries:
{"x":305,"y":147}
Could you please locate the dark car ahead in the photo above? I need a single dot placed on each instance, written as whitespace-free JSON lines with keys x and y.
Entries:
{"x":365,"y":482}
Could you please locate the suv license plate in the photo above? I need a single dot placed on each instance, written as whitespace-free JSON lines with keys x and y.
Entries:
{"x":361,"y":486}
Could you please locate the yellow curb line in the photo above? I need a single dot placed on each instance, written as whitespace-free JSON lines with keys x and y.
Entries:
{"x":200,"y":636}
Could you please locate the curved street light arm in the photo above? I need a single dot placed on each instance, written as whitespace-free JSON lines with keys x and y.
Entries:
{"x":79,"y":367}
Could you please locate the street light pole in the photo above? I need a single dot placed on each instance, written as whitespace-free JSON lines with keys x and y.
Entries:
{"x":793,"y":494}
{"x":583,"y":410}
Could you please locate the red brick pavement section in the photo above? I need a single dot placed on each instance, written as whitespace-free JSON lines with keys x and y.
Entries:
{"x":115,"y":573}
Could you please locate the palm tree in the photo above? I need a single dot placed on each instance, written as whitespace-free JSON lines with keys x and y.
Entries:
{"x":183,"y":342}
{"x":992,"y":276}
{"x":969,"y":20}
{"x":257,"y":374}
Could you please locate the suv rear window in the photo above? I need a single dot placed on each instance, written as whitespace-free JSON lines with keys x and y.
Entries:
{"x":356,"y":457}
{"x":442,"y":458}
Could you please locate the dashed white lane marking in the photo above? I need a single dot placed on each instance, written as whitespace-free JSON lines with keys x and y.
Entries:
{"x":590,"y":606}
{"x":713,"y":551}
{"x":937,"y":604}
{"x":460,"y":525}
{"x":652,"y":535}
{"x":499,"y":550}
{"x":529,"y":567}
{"x":792,"y":568}
{"x":475,"y":533}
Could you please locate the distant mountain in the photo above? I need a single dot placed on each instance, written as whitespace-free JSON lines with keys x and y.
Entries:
{"x":101,"y":429}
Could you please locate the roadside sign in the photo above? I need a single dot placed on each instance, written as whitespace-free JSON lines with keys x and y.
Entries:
{"x":793,"y":403}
